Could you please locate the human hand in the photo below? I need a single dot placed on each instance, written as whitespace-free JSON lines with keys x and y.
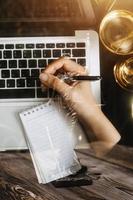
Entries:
{"x":78,"y":95}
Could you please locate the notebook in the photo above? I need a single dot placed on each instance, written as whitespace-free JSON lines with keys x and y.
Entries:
{"x":48,"y":130}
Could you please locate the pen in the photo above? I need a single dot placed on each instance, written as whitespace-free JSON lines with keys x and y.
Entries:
{"x":73,"y":78}
{"x":86,"y":78}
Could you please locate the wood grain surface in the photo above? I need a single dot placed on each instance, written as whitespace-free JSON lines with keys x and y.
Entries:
{"x":18,"y":179}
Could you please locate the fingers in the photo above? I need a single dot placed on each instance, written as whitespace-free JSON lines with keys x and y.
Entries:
{"x":52,"y":81}
{"x":48,"y":79}
{"x":67,"y":64}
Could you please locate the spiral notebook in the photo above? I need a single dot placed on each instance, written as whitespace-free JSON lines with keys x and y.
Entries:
{"x":47,"y":131}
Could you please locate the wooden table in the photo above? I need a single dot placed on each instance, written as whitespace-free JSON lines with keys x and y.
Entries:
{"x":18,"y":179}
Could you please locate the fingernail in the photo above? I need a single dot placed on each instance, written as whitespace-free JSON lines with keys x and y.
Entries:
{"x":43,"y":77}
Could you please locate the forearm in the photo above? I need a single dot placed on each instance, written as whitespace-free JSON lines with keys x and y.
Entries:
{"x":103,"y":134}
{"x":80,"y":99}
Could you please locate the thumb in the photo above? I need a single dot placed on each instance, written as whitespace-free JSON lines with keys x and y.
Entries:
{"x":54,"y":82}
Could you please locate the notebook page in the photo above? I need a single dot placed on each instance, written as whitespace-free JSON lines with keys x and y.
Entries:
{"x":48,"y":131}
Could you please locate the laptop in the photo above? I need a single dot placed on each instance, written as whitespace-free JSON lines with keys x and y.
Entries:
{"x":25,"y":53}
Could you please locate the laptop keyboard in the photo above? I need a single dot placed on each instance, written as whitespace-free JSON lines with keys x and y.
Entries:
{"x":21,"y":63}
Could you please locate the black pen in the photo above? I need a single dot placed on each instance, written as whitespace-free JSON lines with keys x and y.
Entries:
{"x":85,"y":78}
{"x":72,"y":78}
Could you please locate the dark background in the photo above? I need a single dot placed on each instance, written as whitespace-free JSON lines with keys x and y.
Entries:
{"x":117,"y":101}
{"x":63,"y":17}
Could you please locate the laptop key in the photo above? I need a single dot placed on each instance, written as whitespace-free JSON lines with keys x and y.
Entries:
{"x":35,"y":73}
{"x":66,"y":52}
{"x":41,"y":93}
{"x":81,"y":44}
{"x":12,"y":63}
{"x":32,"y":63}
{"x":30,"y":46}
{"x":50,"y":45}
{"x":45,"y":93}
{"x":81,"y":62}
{"x":19,"y":46}
{"x":0,"y":54}
{"x":40,"y":45}
{"x":9,"y":46}
{"x":1,"y":46}
{"x":22,"y":63}
{"x":10,"y":83}
{"x":78,"y":53}
{"x":60,"y":45}
{"x":3,"y":64}
{"x":17,"y":54}
{"x":30,"y":82}
{"x":2,"y":83}
{"x":38,"y":83}
{"x":70,"y":45}
{"x":17,"y":93}
{"x":25,"y":73}
{"x":15,"y":73}
{"x":42,"y":63}
{"x":37,"y":54}
{"x":7,"y":54}
{"x":50,"y":61}
{"x":20,"y":82}
{"x":46,"y":53}
{"x":27,"y":54}
{"x":56,"y":53}
{"x":5,"y":73}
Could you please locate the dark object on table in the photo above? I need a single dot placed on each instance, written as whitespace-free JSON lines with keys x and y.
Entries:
{"x":79,"y":179}
{"x":72,"y":182}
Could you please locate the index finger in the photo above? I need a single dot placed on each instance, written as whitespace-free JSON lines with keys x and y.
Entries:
{"x":67,"y":64}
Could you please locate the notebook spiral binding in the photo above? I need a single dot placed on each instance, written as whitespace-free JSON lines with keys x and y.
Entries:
{"x":36,"y":108}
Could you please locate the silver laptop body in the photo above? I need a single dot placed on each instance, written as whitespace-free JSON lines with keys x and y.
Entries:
{"x":16,"y":94}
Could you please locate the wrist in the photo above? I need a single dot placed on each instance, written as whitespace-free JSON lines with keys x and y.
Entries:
{"x":87,"y":111}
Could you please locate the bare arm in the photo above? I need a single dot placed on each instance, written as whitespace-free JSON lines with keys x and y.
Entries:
{"x":80,"y":98}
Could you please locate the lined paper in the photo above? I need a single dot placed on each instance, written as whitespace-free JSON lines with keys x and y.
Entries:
{"x":47,"y":131}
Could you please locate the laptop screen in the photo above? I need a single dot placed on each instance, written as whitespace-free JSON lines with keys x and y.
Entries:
{"x":21,"y":15}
